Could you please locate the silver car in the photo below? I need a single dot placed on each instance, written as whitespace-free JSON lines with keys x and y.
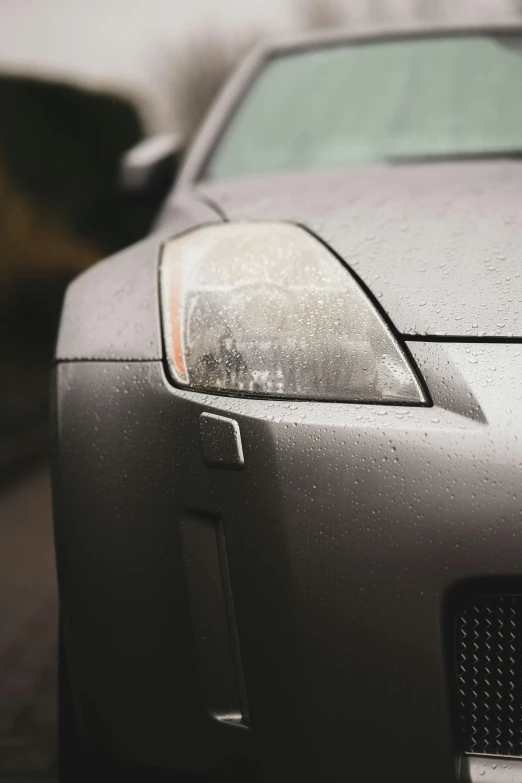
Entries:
{"x":288,"y":434}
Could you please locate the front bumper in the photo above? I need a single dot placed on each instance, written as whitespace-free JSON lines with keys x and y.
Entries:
{"x":345,"y":534}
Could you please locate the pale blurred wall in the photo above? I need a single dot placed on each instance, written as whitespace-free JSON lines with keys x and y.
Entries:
{"x":126,"y":43}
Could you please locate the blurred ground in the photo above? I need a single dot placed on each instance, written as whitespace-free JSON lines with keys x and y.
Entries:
{"x":28,"y":629}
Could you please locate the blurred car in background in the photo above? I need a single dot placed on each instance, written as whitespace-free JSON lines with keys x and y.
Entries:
{"x":287,"y":443}
{"x":62,"y":208}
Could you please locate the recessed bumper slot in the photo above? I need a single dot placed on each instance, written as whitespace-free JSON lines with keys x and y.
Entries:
{"x":214,"y":631}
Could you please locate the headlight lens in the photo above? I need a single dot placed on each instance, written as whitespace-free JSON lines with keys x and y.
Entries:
{"x":266,"y":309}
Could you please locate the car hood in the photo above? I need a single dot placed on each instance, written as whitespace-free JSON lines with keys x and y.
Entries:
{"x":439,"y":245}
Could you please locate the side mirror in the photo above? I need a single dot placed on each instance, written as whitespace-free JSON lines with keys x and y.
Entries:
{"x":148,"y":170}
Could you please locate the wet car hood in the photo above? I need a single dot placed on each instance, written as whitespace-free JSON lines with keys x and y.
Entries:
{"x":440,"y":245}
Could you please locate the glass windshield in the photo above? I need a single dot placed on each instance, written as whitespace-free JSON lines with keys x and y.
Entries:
{"x":389,"y":101}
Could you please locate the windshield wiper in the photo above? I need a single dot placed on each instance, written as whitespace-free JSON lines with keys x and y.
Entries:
{"x":454,"y":157}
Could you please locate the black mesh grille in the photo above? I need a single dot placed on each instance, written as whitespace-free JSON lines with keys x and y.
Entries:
{"x":489,"y":675}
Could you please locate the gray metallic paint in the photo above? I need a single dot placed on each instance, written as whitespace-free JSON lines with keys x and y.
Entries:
{"x":345,"y":531}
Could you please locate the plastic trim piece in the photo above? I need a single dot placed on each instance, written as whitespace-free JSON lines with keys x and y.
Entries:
{"x":221,"y":442}
{"x":491,"y":769}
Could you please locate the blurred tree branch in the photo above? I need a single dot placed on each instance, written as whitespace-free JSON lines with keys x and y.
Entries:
{"x":198,"y":72}
{"x":322,"y":14}
{"x":202,"y":66}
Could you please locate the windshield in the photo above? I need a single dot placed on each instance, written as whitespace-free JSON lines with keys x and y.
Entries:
{"x":374,"y":102}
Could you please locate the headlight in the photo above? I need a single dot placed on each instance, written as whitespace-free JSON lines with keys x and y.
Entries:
{"x":266,"y":309}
